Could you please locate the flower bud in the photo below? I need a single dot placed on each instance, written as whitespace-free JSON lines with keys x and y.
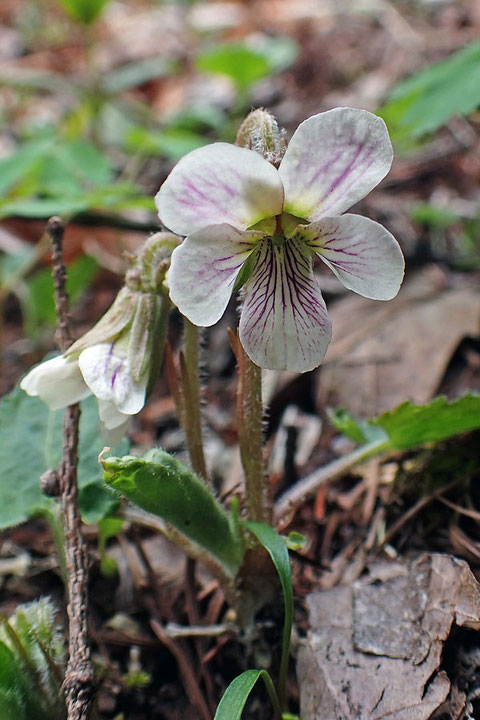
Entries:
{"x":260,"y":132}
{"x":118,"y":360}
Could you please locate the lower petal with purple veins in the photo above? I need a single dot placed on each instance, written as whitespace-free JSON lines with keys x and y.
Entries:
{"x":106,"y":371}
{"x":284,"y":323}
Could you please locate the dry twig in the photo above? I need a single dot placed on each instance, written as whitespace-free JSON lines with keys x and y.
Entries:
{"x":79,"y":683}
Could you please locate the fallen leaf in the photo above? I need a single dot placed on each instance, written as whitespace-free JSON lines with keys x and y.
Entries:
{"x":384,"y":353}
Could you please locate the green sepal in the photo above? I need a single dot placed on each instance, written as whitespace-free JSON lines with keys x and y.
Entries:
{"x":164,"y":486}
{"x":142,"y":333}
{"x":245,"y":271}
{"x":117,"y":318}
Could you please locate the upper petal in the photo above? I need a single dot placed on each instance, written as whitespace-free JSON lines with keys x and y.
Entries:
{"x":219,"y":183}
{"x":204,"y":268}
{"x":58,"y":382}
{"x":284,"y":323}
{"x":107,"y":373}
{"x":363,"y":255}
{"x":333,"y":160}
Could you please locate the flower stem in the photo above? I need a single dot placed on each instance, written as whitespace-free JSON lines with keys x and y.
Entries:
{"x":250,"y":437}
{"x":191,"y":421}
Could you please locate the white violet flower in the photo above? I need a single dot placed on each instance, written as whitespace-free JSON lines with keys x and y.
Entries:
{"x":248,"y":223}
{"x":117,"y":359}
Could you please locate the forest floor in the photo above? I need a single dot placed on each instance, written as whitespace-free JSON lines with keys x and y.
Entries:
{"x":423,"y":343}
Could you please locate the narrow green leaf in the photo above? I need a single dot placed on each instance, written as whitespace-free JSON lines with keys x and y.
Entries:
{"x":277,"y":549}
{"x":164,"y":486}
{"x":410,"y":425}
{"x":236,"y":695}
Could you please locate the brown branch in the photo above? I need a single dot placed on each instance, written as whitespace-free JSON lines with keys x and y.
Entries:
{"x":79,"y":683}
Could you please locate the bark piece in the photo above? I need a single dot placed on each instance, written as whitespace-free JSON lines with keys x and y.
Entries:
{"x":374,"y":648}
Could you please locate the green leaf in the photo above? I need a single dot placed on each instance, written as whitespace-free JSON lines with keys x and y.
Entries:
{"x":295,"y":540}
{"x":84,"y":11}
{"x":426,"y":101}
{"x":277,"y":549}
{"x":240,"y":63}
{"x":44,"y":207}
{"x":172,"y":144}
{"x":164,"y":486}
{"x":38,"y":304}
{"x":85,"y":162}
{"x":95,"y":503}
{"x":281,"y":52}
{"x":19,"y":699}
{"x":10,"y":673}
{"x":360,"y":431}
{"x":197,"y":117}
{"x":23,"y":161}
{"x":31,"y":442}
{"x":411,"y":425}
{"x":236,"y":695}
{"x":136,"y":73}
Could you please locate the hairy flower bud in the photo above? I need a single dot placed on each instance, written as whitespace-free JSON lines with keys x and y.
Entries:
{"x":119,"y":358}
{"x":260,"y":132}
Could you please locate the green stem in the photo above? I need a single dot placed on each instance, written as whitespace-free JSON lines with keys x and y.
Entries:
{"x":192,"y":421}
{"x":250,"y":437}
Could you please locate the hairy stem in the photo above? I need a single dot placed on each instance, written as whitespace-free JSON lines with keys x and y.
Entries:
{"x":192,"y":422}
{"x":250,"y":436}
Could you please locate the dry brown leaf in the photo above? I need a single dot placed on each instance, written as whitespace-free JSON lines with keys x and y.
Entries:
{"x":374,"y":647}
{"x":385,"y":353}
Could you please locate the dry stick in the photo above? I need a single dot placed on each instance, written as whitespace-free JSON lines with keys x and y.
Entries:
{"x":415,"y":509}
{"x":186,"y":669}
{"x":79,"y":681}
{"x":304,"y":489}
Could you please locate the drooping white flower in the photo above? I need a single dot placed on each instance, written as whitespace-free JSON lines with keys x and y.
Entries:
{"x":116,"y":359}
{"x":235,"y":207}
